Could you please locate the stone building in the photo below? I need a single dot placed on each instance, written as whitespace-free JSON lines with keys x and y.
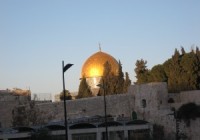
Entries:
{"x":149,"y":101}
{"x":93,"y":69}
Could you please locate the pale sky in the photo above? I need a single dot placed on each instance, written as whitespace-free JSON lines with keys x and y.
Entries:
{"x":36,"y":35}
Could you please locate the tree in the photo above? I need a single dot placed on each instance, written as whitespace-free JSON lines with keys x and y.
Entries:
{"x":84,"y":89}
{"x":198,"y":65}
{"x":187,"y":112}
{"x":182,"y":50}
{"x":113,"y":84}
{"x":108,"y":80}
{"x":67,"y":95}
{"x":157,"y":74}
{"x":142,"y":73}
{"x":120,"y":80}
{"x":127,"y":82}
{"x":29,"y":114}
{"x":181,"y":71}
{"x":175,"y":75}
{"x":173,"y":72}
{"x":189,"y":71}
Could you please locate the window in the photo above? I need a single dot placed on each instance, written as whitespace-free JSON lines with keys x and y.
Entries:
{"x":171,"y":100}
{"x":144,"y":103}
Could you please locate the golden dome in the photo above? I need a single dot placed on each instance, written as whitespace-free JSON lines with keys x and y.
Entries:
{"x":94,"y":65}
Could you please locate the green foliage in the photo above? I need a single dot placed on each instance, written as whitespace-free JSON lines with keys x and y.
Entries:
{"x":127,"y":82}
{"x":67,"y":95}
{"x":157,"y":74}
{"x":181,"y":71}
{"x":189,"y":72}
{"x":182,"y":50}
{"x":120,"y":80}
{"x":109,"y":80}
{"x":114,"y":84}
{"x":27,"y":115}
{"x":84,"y":89}
{"x":187,"y":112}
{"x":142,"y":73}
{"x":173,"y":72}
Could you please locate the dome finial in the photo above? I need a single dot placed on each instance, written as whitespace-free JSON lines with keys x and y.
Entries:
{"x":100,"y":47}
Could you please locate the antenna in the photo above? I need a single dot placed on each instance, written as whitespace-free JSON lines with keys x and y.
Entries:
{"x":100,"y":47}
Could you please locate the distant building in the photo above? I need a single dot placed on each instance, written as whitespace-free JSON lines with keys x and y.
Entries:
{"x":16,"y":91}
{"x":7,"y":91}
{"x":41,"y":96}
{"x":19,"y":91}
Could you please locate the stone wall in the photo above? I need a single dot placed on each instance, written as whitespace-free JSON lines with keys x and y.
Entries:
{"x":116,"y":105}
{"x":154,"y":94}
{"x":6,"y":108}
{"x":7,"y":104}
{"x":13,"y":98}
{"x":156,"y":111}
{"x":190,"y":96}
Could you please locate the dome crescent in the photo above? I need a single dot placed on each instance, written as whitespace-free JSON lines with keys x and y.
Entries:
{"x":94,"y":65}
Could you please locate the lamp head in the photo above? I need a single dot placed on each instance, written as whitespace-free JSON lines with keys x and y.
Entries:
{"x":66,"y":67}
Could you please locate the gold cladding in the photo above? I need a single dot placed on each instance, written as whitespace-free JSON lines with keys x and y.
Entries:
{"x":94,"y":65}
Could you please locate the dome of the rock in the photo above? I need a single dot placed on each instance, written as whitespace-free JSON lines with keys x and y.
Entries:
{"x":94,"y":65}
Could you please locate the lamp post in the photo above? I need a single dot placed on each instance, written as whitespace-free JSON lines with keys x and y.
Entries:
{"x":65,"y":68}
{"x":105,"y":109}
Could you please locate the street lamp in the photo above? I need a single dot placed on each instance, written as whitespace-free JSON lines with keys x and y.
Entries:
{"x":104,"y":97}
{"x":65,"y":68}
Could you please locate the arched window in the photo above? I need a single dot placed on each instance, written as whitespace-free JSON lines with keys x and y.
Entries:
{"x":171,"y":100}
{"x":143,"y":103}
{"x":134,"y":115}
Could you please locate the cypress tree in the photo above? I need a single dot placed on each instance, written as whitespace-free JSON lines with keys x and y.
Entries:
{"x":113,"y":84}
{"x":127,"y":82}
{"x":198,"y":65}
{"x":181,"y":71}
{"x":142,"y":73}
{"x":84,"y":89}
{"x":189,"y":64}
{"x":120,"y":80}
{"x":157,"y":74}
{"x":109,"y":79}
{"x":182,"y":50}
{"x":174,"y":72}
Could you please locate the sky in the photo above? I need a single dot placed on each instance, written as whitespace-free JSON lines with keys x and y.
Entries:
{"x":36,"y":35}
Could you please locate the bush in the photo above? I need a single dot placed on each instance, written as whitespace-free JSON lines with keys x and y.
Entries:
{"x":187,"y":112}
